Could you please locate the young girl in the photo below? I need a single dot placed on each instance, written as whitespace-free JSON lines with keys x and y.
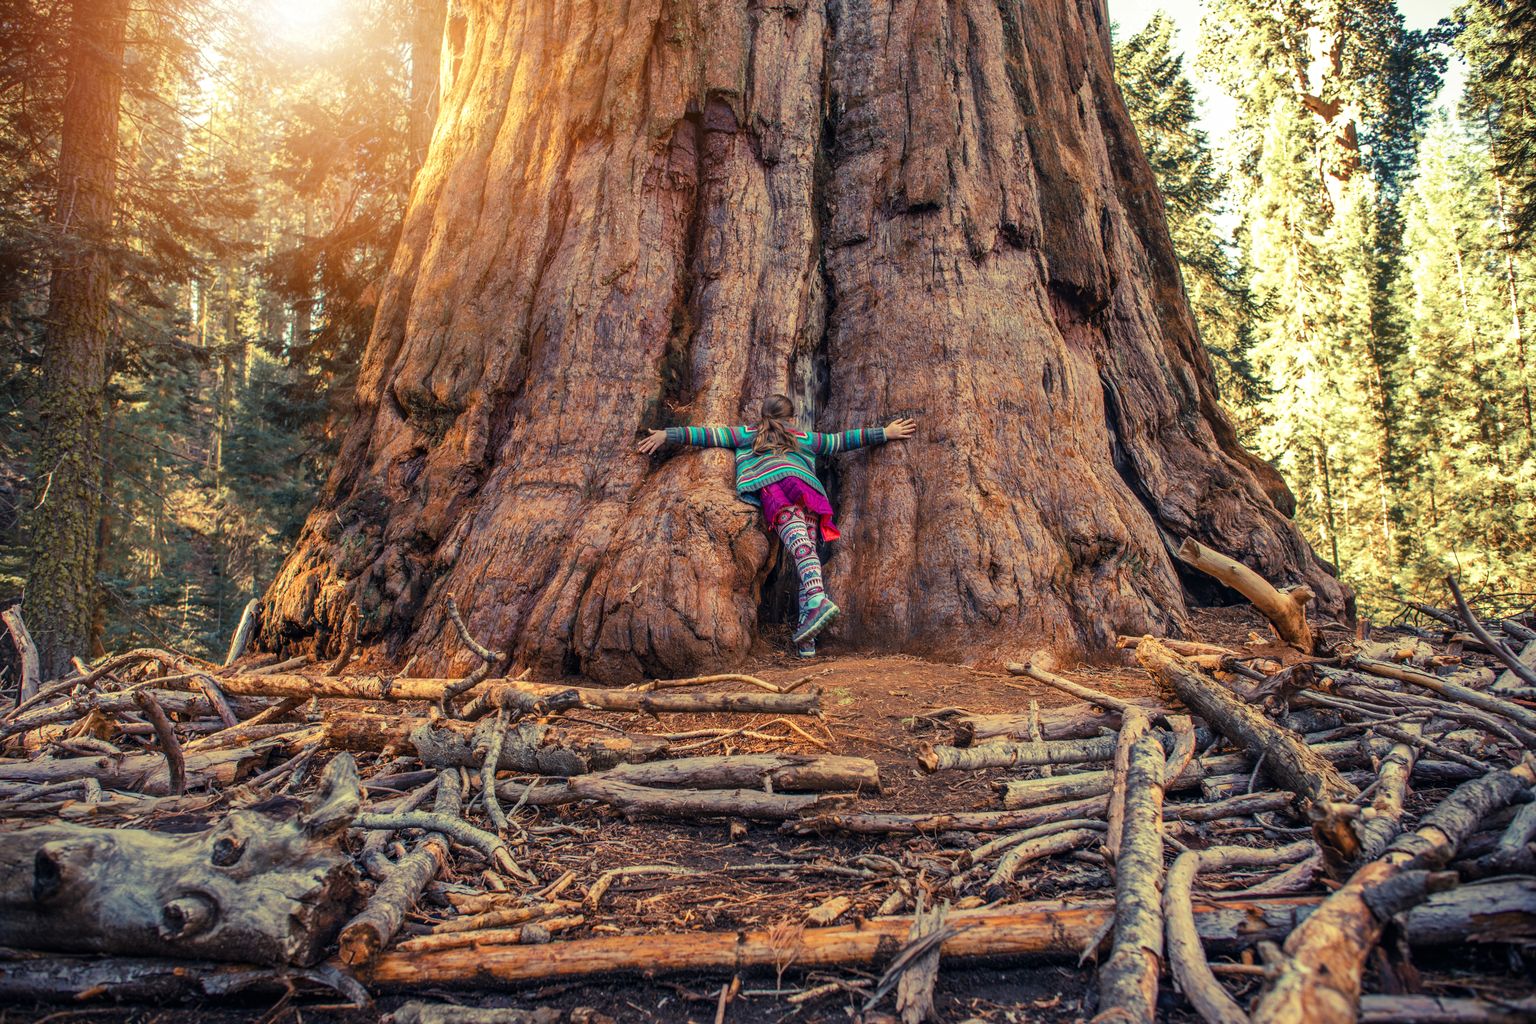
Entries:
{"x":775,"y":469}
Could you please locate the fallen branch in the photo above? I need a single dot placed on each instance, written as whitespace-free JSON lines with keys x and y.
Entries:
{"x":1128,"y":980}
{"x":26,"y":652}
{"x":1285,"y":610}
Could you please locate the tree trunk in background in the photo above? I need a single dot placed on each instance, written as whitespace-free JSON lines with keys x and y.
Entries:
{"x":67,"y":473}
{"x":661,"y":216}
{"x":427,"y":20}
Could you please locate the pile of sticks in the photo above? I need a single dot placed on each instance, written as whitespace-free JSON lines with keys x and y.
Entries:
{"x":1283,"y":823}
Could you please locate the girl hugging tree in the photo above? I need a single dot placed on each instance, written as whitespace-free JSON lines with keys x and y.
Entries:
{"x":775,"y":470}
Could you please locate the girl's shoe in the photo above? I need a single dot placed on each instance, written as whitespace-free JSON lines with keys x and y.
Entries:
{"x":820,"y":617}
{"x":806,"y":648}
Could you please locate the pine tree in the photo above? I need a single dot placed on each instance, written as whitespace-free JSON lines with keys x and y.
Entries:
{"x":1161,"y":101}
{"x":1497,"y":39}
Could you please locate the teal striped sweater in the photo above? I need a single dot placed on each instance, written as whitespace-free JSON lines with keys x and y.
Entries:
{"x":756,"y":470}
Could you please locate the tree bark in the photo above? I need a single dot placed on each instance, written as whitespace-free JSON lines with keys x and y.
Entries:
{"x":660,"y":213}
{"x":61,"y":579}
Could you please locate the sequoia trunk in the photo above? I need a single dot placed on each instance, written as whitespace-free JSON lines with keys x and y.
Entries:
{"x":661,"y":212}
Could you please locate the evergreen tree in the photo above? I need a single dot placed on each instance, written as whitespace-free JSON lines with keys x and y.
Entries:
{"x":1497,"y":39}
{"x":1161,"y":101}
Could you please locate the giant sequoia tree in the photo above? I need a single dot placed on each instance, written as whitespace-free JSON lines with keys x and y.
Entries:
{"x":654,"y":213}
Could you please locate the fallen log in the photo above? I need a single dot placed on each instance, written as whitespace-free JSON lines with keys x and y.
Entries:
{"x":1319,"y":980}
{"x":1521,"y":716}
{"x":1286,"y":610}
{"x":1073,"y":722}
{"x":372,"y":687}
{"x":1444,"y":1010}
{"x":1128,"y":979}
{"x":72,"y":708}
{"x":1186,"y":957}
{"x":263,"y":886}
{"x":1287,"y":758}
{"x":1008,"y":755}
{"x":531,"y":747}
{"x":1053,"y":929}
{"x":641,"y":801}
{"x":145,"y":773}
{"x":1133,"y":726}
{"x":883,"y":823}
{"x":775,"y":773}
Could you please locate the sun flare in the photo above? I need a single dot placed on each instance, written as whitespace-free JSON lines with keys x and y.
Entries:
{"x":302,"y":21}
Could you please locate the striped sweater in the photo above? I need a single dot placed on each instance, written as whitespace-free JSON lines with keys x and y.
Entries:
{"x":756,"y":470}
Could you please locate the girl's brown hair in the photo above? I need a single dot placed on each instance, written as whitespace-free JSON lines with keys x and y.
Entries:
{"x":776,"y":432}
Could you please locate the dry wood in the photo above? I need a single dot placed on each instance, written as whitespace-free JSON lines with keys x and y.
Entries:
{"x":1285,"y":610}
{"x":1423,"y":1009}
{"x":243,"y":631}
{"x":1319,"y":979}
{"x":165,"y":735}
{"x":641,"y":801}
{"x":1186,"y":957}
{"x":1072,"y":722}
{"x":1040,"y":667}
{"x":1507,"y":679}
{"x":1007,"y":755}
{"x":39,"y":715}
{"x":527,"y":747}
{"x":1383,"y":821}
{"x":1499,"y":650}
{"x":258,"y":887}
{"x":1009,"y":864}
{"x":1523,"y":717}
{"x":918,"y":964}
{"x":771,"y":772}
{"x":504,"y":916}
{"x":1128,"y":979}
{"x":372,"y":687}
{"x":26,"y":654}
{"x":1287,"y":758}
{"x":451,"y":826}
{"x":1133,"y":726}
{"x":146,"y":773}
{"x":533,"y":932}
{"x":1049,"y":928}
{"x":366,"y":935}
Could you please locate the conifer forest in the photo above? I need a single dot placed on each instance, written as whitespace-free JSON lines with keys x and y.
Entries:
{"x":1116,"y":601}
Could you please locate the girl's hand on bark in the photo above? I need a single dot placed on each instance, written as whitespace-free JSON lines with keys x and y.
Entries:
{"x":652,"y":442}
{"x":900,"y":430}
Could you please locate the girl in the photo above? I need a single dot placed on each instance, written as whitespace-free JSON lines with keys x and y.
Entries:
{"x":775,"y":470}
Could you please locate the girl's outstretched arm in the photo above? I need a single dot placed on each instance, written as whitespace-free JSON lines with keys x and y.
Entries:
{"x":698,"y":437}
{"x":848,"y":440}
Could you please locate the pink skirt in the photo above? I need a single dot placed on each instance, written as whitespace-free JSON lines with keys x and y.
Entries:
{"x":782,"y":494}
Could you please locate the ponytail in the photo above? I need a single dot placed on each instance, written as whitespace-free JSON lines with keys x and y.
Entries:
{"x":776,"y":432}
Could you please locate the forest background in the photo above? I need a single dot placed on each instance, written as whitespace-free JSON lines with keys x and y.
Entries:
{"x":1359,"y":253}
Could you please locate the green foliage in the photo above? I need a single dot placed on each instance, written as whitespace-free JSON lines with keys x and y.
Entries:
{"x":1497,"y":39}
{"x":1161,"y":101}
{"x":261,"y":188}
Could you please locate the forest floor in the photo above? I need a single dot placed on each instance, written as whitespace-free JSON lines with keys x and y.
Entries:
{"x":880,"y":708}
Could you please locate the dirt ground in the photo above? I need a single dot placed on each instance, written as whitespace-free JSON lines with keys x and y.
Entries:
{"x":879,"y":708}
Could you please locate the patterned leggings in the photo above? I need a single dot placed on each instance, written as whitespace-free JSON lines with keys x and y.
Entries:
{"x":794,"y":530}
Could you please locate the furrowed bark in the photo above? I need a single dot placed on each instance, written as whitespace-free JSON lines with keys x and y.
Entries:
{"x":790,"y":167}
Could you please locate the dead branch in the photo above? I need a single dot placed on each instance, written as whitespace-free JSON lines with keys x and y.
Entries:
{"x":26,"y":651}
{"x":1286,"y":611}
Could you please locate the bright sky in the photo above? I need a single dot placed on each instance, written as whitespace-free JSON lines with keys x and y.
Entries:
{"x":1218,"y":111}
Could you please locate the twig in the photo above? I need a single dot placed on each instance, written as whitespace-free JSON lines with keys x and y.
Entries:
{"x":165,"y":735}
